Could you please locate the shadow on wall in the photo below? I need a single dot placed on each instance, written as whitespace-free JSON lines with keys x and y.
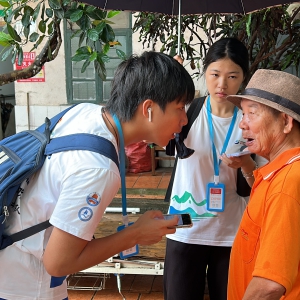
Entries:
{"x":8,"y":126}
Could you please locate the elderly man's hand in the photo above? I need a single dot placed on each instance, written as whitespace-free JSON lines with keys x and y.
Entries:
{"x":178,"y":58}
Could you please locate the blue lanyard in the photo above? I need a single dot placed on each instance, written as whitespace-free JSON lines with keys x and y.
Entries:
{"x":211,"y":133}
{"x":122,"y":169}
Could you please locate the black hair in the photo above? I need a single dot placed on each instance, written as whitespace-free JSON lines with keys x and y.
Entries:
{"x":232,"y":48}
{"x":153,"y":75}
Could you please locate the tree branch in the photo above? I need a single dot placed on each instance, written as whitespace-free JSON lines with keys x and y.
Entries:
{"x":54,"y":43}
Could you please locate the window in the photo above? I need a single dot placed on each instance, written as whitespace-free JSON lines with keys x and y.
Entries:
{"x":88,"y":86}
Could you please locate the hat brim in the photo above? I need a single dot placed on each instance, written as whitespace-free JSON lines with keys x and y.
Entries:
{"x":236,"y":100}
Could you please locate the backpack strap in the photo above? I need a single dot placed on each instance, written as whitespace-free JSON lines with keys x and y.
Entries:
{"x":54,"y":120}
{"x":28,"y":232}
{"x":83,"y":141}
{"x":192,"y":114}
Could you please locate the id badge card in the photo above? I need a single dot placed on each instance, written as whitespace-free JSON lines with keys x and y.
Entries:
{"x":215,"y":195}
{"x":131,"y":251}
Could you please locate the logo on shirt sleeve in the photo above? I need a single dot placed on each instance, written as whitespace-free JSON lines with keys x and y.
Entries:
{"x":93,"y":199}
{"x":85,"y":214}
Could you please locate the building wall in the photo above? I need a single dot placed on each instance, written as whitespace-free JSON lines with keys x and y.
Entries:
{"x":37,"y":100}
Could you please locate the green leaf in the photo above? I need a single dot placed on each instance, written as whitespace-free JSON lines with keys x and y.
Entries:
{"x":100,"y":27}
{"x":49,"y":12}
{"x":84,"y":23}
{"x":26,"y":31}
{"x":26,"y":16}
{"x":80,"y":57}
{"x":112,"y":13}
{"x":108,"y":34}
{"x":90,"y":9}
{"x":6,"y":54}
{"x":20,"y":56}
{"x":106,"y":48}
{"x":93,"y":34}
{"x":54,"y":4}
{"x":14,"y":56}
{"x":109,"y":22}
{"x":15,"y":13}
{"x":4,"y":44}
{"x":69,"y":12}
{"x":5,"y":3}
{"x":4,"y":37}
{"x":38,"y":42}
{"x":76,"y":15}
{"x":121,"y":54}
{"x":43,"y":11}
{"x":42,"y":26}
{"x":93,"y":56}
{"x":103,"y":57}
{"x":82,"y":38}
{"x":85,"y":65}
{"x":66,"y":2}
{"x":83,"y":50}
{"x":59,"y":13}
{"x":100,"y":68}
{"x":50,"y":27}
{"x":33,"y":37}
{"x":74,"y":5}
{"x":248,"y":25}
{"x":36,"y":12}
{"x":96,"y":13}
{"x":12,"y":32}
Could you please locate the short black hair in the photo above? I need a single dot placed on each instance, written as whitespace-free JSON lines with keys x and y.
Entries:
{"x":152,"y":75}
{"x":232,"y":48}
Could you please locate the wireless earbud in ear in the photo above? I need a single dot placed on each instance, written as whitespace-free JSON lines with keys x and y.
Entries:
{"x":149,"y":113}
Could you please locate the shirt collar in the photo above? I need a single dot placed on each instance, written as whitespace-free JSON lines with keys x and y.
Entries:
{"x":287,"y":157}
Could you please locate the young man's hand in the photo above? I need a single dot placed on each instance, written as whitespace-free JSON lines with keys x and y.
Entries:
{"x":151,"y":227}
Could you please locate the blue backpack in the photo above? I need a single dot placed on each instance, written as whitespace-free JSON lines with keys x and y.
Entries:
{"x":24,"y":153}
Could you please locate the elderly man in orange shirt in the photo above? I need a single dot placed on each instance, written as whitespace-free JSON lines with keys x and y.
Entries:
{"x":265,"y":257}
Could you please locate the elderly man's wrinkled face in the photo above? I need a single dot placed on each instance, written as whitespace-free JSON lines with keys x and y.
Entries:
{"x":262,"y":128}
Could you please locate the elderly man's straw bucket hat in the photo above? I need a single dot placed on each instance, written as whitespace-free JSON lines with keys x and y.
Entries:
{"x":276,"y":89}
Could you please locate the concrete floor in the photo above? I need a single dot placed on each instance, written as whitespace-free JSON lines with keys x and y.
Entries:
{"x":133,"y":287}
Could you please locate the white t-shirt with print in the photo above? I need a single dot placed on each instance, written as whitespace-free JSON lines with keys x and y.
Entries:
{"x":191,"y":179}
{"x":72,"y":189}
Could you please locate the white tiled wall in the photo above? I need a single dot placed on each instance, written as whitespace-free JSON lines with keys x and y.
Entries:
{"x":36,"y":116}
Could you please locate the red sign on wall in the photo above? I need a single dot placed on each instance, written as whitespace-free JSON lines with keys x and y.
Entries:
{"x":29,"y":58}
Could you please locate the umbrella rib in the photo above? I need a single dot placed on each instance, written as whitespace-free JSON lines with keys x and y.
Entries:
{"x":173,"y":8}
{"x":179,"y":27}
{"x":243,"y":6}
{"x":105,"y":4}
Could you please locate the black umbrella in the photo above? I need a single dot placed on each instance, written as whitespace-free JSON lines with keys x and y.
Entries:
{"x":188,"y":7}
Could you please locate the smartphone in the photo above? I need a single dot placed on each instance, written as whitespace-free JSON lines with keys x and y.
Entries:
{"x":236,"y":154}
{"x":184,"y":220}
